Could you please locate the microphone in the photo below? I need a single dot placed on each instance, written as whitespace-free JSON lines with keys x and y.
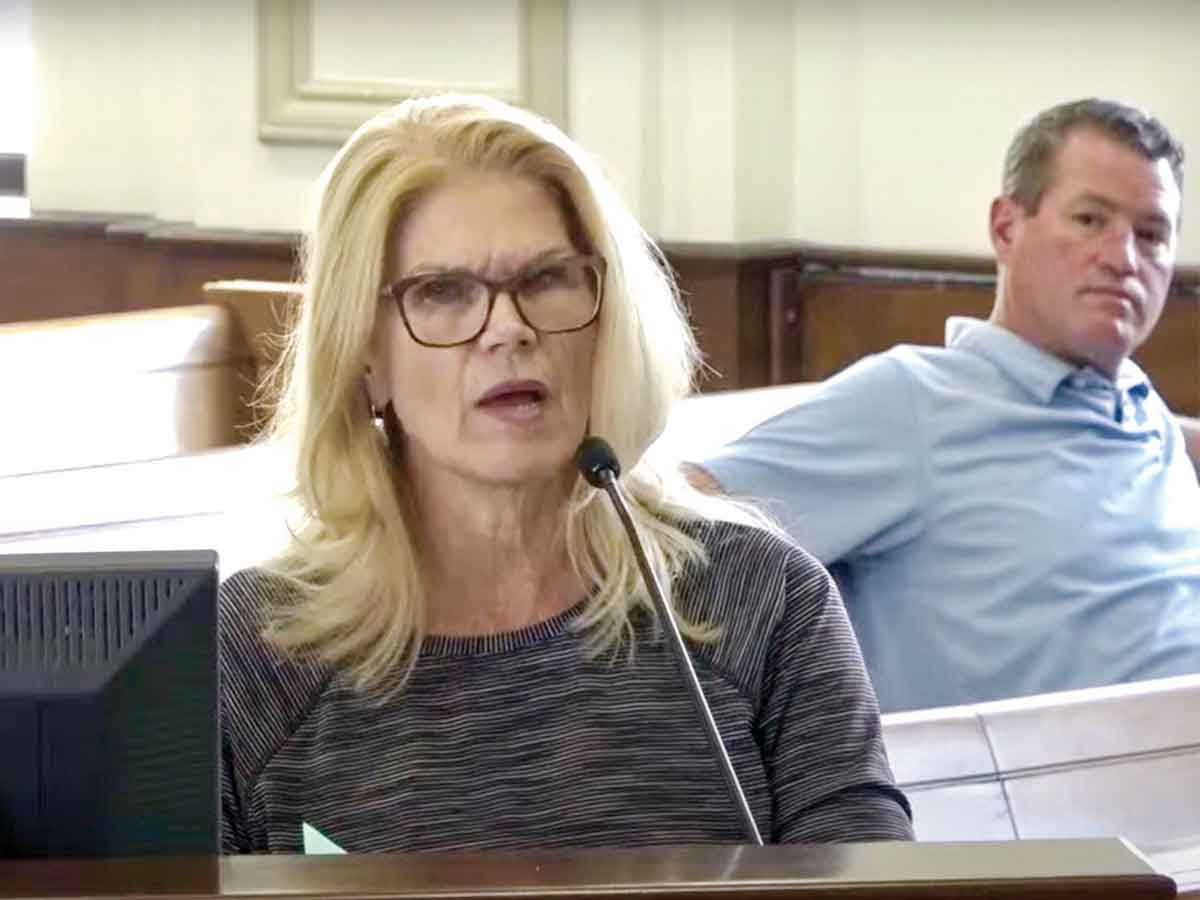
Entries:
{"x":598,"y":464}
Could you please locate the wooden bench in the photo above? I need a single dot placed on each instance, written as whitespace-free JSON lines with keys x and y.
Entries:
{"x":231,"y":499}
{"x":93,"y":390}
{"x":1105,"y":761}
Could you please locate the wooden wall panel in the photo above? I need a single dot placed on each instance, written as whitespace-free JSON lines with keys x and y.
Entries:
{"x":836,"y":319}
{"x":727,"y":304}
{"x":846,"y":319}
{"x":1171,"y":356}
{"x":70,"y":269}
{"x":763,"y":315}
{"x":66,"y":265}
{"x":710,"y":289}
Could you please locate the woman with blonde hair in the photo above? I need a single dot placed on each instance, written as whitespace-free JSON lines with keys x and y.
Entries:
{"x":456,"y":649}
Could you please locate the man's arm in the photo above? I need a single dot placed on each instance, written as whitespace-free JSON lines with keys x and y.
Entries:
{"x":843,"y":470}
{"x":1191,"y":438}
{"x":701,"y":479}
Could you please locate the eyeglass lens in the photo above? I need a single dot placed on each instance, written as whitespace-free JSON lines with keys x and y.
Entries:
{"x":447,"y":308}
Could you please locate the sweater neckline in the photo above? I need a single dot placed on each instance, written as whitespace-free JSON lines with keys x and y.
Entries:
{"x":438,"y":645}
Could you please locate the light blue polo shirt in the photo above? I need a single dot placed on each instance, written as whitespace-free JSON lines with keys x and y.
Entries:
{"x":1000,"y":522}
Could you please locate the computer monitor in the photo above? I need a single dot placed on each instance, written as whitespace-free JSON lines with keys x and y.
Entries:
{"x":108,"y":704}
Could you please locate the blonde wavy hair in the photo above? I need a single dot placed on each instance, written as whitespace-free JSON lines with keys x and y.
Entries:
{"x":354,"y":560}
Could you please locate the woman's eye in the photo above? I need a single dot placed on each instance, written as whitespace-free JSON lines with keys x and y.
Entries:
{"x":441,"y":290}
{"x":546,"y":279}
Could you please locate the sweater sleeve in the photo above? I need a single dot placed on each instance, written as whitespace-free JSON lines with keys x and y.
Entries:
{"x":234,"y":837}
{"x":819,"y":723}
{"x":264,"y":696}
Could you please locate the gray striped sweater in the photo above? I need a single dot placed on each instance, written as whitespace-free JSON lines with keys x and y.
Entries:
{"x":518,"y":740}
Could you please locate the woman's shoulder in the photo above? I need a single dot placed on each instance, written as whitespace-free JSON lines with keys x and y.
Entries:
{"x":249,"y":592}
{"x":246,"y":600}
{"x":755,"y":583}
{"x":778,"y":610}
{"x":253,"y":669}
{"x":737,"y":551}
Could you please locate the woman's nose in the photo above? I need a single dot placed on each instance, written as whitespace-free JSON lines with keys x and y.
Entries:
{"x":505,"y":325}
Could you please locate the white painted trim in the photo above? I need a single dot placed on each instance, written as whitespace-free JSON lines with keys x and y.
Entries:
{"x":294,"y":107}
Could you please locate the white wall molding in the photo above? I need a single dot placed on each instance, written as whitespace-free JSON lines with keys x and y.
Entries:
{"x":297,"y":107}
{"x":870,"y":123}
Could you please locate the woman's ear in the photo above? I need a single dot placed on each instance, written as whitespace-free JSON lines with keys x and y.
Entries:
{"x":375,"y":388}
{"x":377,"y":382}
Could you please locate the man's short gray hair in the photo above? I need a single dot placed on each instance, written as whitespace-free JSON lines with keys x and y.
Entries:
{"x":1029,"y":162}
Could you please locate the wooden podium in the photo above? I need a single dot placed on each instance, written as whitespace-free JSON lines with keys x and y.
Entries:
{"x":1103,"y":868}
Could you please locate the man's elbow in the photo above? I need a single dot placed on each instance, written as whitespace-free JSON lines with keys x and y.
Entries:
{"x":701,"y":479}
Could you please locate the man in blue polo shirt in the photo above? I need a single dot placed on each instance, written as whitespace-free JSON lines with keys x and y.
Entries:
{"x":1014,"y":513}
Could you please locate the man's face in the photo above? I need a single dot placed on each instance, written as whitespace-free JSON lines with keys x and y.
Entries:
{"x":1086,"y":275}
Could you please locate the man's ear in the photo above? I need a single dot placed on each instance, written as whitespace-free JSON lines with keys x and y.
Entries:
{"x":1004,"y":222}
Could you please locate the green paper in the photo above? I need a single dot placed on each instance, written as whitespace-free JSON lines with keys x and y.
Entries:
{"x":316,"y":843}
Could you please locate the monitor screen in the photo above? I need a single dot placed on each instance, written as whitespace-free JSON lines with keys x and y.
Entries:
{"x":108,"y":704}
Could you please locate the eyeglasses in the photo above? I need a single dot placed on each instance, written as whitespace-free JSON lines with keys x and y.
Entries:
{"x":445,"y":309}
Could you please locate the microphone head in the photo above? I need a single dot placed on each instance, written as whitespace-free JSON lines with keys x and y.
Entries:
{"x":594,"y":458}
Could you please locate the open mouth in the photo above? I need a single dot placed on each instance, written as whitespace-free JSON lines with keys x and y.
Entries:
{"x":514,"y":395}
{"x":514,"y":398}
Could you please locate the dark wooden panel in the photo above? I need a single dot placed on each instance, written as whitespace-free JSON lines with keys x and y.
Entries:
{"x":846,"y":318}
{"x":60,"y":265}
{"x":67,"y":271}
{"x":1171,"y":355}
{"x":753,"y":299}
{"x":727,"y":305}
{"x":64,"y":264}
{"x":764,"y":314}
{"x":710,"y":292}
{"x":831,"y":320}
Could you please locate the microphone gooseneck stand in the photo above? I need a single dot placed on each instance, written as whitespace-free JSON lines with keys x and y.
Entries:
{"x":599,"y":465}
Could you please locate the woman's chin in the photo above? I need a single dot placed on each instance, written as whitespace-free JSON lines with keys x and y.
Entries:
{"x":528,"y":473}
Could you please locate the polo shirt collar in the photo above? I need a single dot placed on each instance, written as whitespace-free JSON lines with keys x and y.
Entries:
{"x":1037,"y":371}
